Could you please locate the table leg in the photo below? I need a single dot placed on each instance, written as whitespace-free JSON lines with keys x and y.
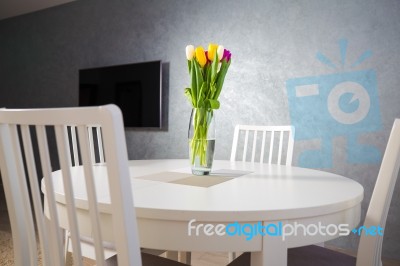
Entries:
{"x":274,"y":252}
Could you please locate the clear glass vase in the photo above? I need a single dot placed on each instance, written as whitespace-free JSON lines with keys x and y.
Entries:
{"x":201,"y":140}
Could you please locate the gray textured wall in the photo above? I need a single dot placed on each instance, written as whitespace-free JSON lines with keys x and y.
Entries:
{"x":271,"y":42}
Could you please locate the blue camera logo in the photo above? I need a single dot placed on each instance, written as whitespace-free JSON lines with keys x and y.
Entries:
{"x":341,"y":104}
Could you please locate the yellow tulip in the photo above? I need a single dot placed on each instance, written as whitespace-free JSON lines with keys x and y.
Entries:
{"x":212,"y":49}
{"x":201,"y":56}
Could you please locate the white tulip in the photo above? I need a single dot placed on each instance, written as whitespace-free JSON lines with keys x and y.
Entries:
{"x":220,"y":52}
{"x":189,"y":52}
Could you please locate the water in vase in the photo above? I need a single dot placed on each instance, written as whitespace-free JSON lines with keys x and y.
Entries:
{"x":201,"y":153}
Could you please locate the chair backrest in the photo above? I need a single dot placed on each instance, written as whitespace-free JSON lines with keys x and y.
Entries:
{"x":370,"y":247}
{"x":276,"y":142}
{"x":25,"y":148}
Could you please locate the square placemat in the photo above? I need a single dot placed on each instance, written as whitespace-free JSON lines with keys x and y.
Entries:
{"x":216,"y":177}
{"x":201,"y":181}
{"x":165,"y":176}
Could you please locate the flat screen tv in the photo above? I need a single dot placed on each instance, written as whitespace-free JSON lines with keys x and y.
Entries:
{"x":135,"y":88}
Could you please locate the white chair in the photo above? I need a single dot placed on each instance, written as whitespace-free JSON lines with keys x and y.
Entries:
{"x":370,"y":246}
{"x":276,"y":141}
{"x":25,"y":158}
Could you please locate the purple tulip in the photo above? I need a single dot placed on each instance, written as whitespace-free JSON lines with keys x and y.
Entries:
{"x":227,"y":55}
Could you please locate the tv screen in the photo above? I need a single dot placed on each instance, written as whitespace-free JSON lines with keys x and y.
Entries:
{"x":134,"y":88}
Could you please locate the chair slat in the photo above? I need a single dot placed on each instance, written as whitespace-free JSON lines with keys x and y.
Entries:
{"x":87,"y":161}
{"x":246,"y":140}
{"x":91,"y":142}
{"x":100,"y":145}
{"x":235,"y":141}
{"x":28,"y":219}
{"x":280,"y":148}
{"x":55,"y":239}
{"x":15,"y":205}
{"x":37,"y":201}
{"x":119,"y":180}
{"x":263,"y":146}
{"x":253,"y":153}
{"x":271,"y":147}
{"x":63,"y":154}
{"x":289,"y":155}
{"x":74,"y":145}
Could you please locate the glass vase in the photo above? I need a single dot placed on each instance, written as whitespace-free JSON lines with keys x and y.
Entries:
{"x":201,"y":140}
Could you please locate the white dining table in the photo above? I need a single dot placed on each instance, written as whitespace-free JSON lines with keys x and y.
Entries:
{"x":180,"y":212}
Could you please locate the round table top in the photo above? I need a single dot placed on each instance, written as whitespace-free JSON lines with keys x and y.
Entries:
{"x":241,"y":191}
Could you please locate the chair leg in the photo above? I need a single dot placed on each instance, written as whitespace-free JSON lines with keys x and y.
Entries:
{"x":66,"y":244}
{"x":185,"y":257}
{"x":231,"y":256}
{"x":172,"y":255}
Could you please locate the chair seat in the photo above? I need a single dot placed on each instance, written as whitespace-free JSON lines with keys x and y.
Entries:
{"x":315,"y":255}
{"x":148,"y":260}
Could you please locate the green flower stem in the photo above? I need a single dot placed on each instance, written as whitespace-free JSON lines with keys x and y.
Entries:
{"x":199,"y":142}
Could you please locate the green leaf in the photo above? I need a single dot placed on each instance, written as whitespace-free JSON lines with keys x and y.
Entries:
{"x":208,"y":80}
{"x":213,"y":88}
{"x":189,"y":64}
{"x":188,"y":93}
{"x":200,"y":104}
{"x":221,"y":77}
{"x":193,"y":81}
{"x":214,"y":67}
{"x":201,"y":97}
{"x":199,"y":78}
{"x":213,"y":104}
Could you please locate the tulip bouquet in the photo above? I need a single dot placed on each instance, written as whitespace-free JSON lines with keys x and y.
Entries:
{"x":207,"y":70}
